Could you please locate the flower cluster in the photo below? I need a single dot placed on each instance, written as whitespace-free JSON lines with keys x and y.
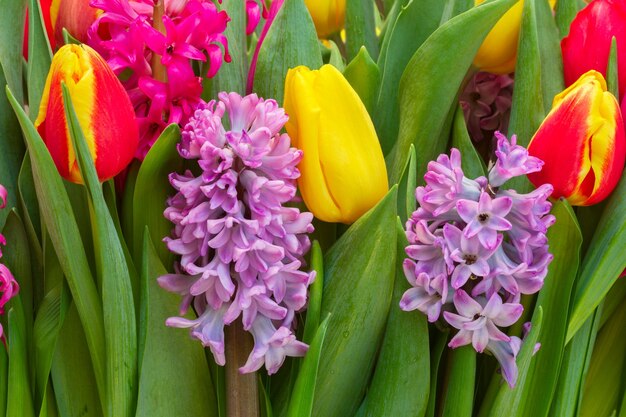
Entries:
{"x":8,"y":286}
{"x":241,"y":247}
{"x":124,"y":34}
{"x":474,"y":249}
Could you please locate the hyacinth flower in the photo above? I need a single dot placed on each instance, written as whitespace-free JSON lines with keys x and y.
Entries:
{"x":241,"y":245}
{"x":8,"y":286}
{"x":475,"y":248}
{"x":126,"y":34}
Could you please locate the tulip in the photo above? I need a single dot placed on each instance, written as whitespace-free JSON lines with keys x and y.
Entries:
{"x":343,"y":171}
{"x":498,"y":52}
{"x":582,"y":143}
{"x":328,"y":15}
{"x":103,"y":108}
{"x":74,"y":15}
{"x":588,"y":44}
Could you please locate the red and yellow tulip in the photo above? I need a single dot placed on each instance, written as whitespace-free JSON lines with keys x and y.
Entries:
{"x":343,"y":171}
{"x":582,"y":143}
{"x":104,"y":111}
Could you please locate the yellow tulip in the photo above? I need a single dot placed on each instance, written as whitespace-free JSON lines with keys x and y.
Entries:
{"x":498,"y":53}
{"x":343,"y":171}
{"x":328,"y":15}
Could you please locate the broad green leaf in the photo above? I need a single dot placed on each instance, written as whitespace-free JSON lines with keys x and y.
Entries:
{"x":455,"y":7}
{"x":566,"y":10}
{"x":72,"y":371}
{"x":458,"y":396}
{"x":360,"y":28}
{"x":612,"y":80}
{"x":39,"y":58}
{"x":508,"y":402}
{"x":335,"y":58}
{"x":614,"y":298}
{"x":357,"y":293}
{"x":153,"y":185}
{"x":61,"y":225}
{"x":406,"y":188}
{"x":174,"y":377}
{"x":301,"y":403}
{"x":565,"y":239}
{"x":19,"y":398}
{"x":120,"y":324}
{"x":127,"y":203}
{"x":29,"y":209}
{"x":472,"y":164}
{"x":552,"y":81}
{"x":265,"y":404}
{"x":291,"y":41}
{"x":232,"y":76}
{"x":408,"y":29}
{"x":11,"y":41}
{"x":401,"y":382}
{"x":603,"y":385}
{"x":363,"y":75}
{"x":438,"y":346}
{"x":574,"y":368}
{"x":604,"y":261}
{"x":314,"y":307}
{"x":431,"y":81}
{"x":4,"y":381}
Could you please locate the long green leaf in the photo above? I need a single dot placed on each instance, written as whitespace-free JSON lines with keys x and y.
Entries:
{"x":406,"y":188}
{"x":431,"y":81}
{"x":4,"y":381}
{"x":61,"y":224}
{"x":472,"y":164}
{"x":19,"y":398}
{"x":117,"y":295}
{"x":232,"y":76}
{"x":458,"y":398}
{"x":401,"y":382}
{"x":363,"y":75}
{"x":360,"y":28}
{"x":552,"y":81}
{"x":174,"y":378}
{"x":11,"y":41}
{"x":438,"y":346}
{"x":604,"y":261}
{"x":566,"y":10}
{"x":39,"y":57}
{"x":357,"y":292}
{"x":314,"y":308}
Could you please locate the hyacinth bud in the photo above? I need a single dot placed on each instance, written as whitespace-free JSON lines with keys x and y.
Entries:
{"x":498,"y":53}
{"x":588,"y":44}
{"x":582,"y":143}
{"x":74,"y":15}
{"x":343,"y":169}
{"x":103,"y":108}
{"x":328,"y":15}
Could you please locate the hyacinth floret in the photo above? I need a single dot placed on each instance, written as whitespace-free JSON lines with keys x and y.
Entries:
{"x":8,"y":285}
{"x":240,"y":244}
{"x":474,"y":248}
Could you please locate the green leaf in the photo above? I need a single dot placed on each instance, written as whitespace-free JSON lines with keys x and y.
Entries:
{"x":314,"y":307}
{"x":291,"y":41}
{"x":612,"y":80}
{"x":39,"y":58}
{"x":566,"y":11}
{"x":301,"y":403}
{"x":120,"y":325}
{"x":232,"y":76}
{"x":363,"y":75}
{"x":614,"y":298}
{"x":153,"y":185}
{"x":4,"y":381}
{"x":336,"y":59}
{"x":401,"y":382}
{"x":439,"y":344}
{"x":61,"y":225}
{"x":406,"y":188}
{"x":69,"y":39}
{"x":431,"y":81}
{"x":508,"y":401}
{"x":171,"y":362}
{"x":11,"y":41}
{"x":19,"y":399}
{"x":127,"y":202}
{"x":358,"y":284}
{"x":414,"y":22}
{"x":458,"y":396}
{"x":565,"y":240}
{"x":360,"y":28}
{"x":552,"y":81}
{"x":472,"y":164}
{"x":604,"y":261}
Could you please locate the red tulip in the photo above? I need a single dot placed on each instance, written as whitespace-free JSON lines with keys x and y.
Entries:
{"x":582,"y":143}
{"x":588,"y":44}
{"x":104,"y":111}
{"x":74,"y":15}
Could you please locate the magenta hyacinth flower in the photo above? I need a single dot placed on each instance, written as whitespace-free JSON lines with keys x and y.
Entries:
{"x":475,"y":248}
{"x":241,"y":244}
{"x":8,"y":285}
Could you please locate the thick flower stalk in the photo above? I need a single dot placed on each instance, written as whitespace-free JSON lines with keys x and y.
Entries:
{"x":475,"y":248}
{"x":8,"y":286}
{"x":126,"y":36}
{"x":241,"y":245}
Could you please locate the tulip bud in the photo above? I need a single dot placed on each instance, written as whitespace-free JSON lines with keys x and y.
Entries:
{"x":74,"y":15}
{"x":328,"y":15}
{"x":343,"y":171}
{"x":498,"y":53}
{"x":104,"y":112}
{"x":582,"y":143}
{"x":588,"y":44}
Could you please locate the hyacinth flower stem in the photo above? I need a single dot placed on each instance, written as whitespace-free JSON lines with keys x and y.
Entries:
{"x":159,"y":72}
{"x":242,"y":395}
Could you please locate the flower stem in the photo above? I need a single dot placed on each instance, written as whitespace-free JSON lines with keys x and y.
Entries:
{"x":242,"y":396}
{"x":159,"y":71}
